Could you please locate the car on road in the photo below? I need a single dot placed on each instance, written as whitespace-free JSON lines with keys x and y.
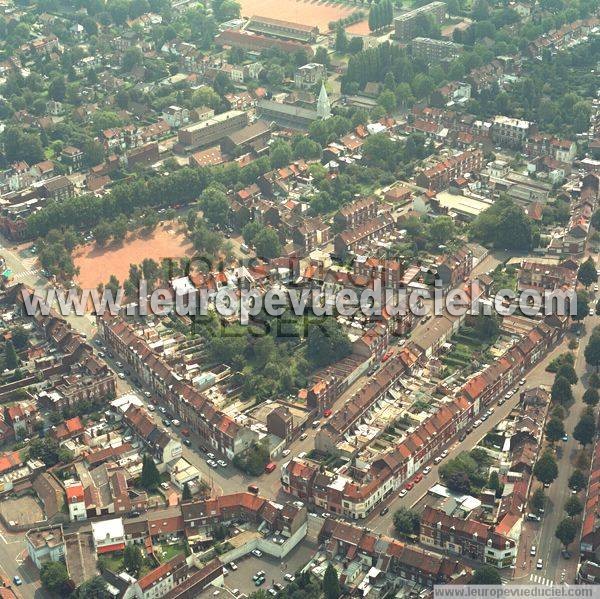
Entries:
{"x":303,"y":436}
{"x":426,"y":470}
{"x":402,"y":493}
{"x":533,"y":550}
{"x":565,"y":437}
{"x":285,"y":453}
{"x":384,"y":511}
{"x":257,"y":553}
{"x":540,"y":564}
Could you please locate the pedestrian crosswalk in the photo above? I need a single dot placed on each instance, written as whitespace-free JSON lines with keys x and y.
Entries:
{"x":540,"y":580}
{"x":25,"y":273}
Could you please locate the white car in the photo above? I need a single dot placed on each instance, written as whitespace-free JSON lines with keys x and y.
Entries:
{"x":522,"y":382}
{"x":285,"y":453}
{"x":444,"y":454}
{"x":257,"y":553}
{"x":147,"y":394}
{"x":427,"y":470}
{"x":476,"y":423}
{"x":121,"y":375}
{"x":151,"y":408}
{"x":222,"y":463}
{"x":437,"y":460}
{"x":533,"y":550}
{"x":233,"y":565}
{"x":402,"y":493}
{"x":211,"y":455}
{"x":176,"y":422}
{"x":591,"y":312}
{"x":540,"y":564}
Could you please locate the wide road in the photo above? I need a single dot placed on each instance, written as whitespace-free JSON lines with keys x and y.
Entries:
{"x":542,"y":534}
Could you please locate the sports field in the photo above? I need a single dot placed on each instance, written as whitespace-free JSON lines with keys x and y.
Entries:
{"x":307,"y":12}
{"x":96,"y":264}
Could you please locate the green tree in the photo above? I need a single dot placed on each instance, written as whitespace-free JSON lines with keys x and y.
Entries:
{"x":486,"y":575}
{"x":567,"y":371}
{"x":54,"y":577}
{"x":150,"y":477}
{"x":573,"y":506}
{"x":96,"y":588}
{"x":331,"y":584}
{"x":566,"y":531}
{"x":326,"y":342}
{"x":133,"y":559}
{"x":587,"y":272}
{"x":554,"y":430}
{"x":561,"y":391}
{"x":407,"y":522}
{"x":591,"y":397}
{"x":57,"y":88}
{"x":441,"y":230}
{"x":594,"y":381}
{"x":215,"y":206}
{"x":267,"y":244}
{"x":538,"y":499}
{"x":592,"y":351}
{"x":186,"y":493}
{"x":341,"y":40}
{"x":545,"y":469}
{"x":11,"y":360}
{"x":280,"y":154}
{"x":577,"y":480}
{"x":585,"y":429}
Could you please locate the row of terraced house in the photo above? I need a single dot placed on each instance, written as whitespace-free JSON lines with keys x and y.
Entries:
{"x":355,"y":499}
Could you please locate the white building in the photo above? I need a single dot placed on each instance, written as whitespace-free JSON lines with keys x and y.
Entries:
{"x":109,"y":535}
{"x":76,"y":501}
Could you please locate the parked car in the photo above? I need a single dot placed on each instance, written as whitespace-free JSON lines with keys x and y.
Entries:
{"x":187,"y":442}
{"x":151,"y":408}
{"x":210,"y":455}
{"x":533,"y":550}
{"x":418,"y":478}
{"x":384,"y":511}
{"x":444,"y":454}
{"x":257,"y":553}
{"x":540,"y":564}
{"x":17,"y":580}
{"x":409,"y":486}
{"x":437,"y":460}
{"x":289,"y":577}
{"x":402,"y":493}
{"x":233,"y":565}
{"x":426,"y":470}
{"x":176,"y":422}
{"x":303,"y":436}
{"x":565,"y":437}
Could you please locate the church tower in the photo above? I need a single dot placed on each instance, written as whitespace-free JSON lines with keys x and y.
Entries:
{"x":323,"y":105}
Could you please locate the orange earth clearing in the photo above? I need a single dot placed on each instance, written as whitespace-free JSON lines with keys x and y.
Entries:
{"x":313,"y":12}
{"x":96,"y":264}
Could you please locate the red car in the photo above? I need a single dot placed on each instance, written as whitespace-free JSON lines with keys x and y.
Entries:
{"x":327,"y":413}
{"x":418,"y":478}
{"x":409,"y":486}
{"x":270,"y":467}
{"x":386,"y":356}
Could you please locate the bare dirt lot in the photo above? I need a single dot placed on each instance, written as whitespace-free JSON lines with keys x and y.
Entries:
{"x":297,"y":11}
{"x":96,"y":264}
{"x":22,"y":510}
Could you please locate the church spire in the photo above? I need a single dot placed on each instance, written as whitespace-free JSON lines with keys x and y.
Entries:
{"x":323,"y":105}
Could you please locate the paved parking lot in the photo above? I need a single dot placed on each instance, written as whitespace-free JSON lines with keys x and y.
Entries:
{"x":274,"y":569}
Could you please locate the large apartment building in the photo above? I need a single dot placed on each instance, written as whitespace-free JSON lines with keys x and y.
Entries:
{"x":406,"y":25}
{"x":440,"y":175}
{"x":511,"y":132}
{"x":207,"y":132}
{"x":432,"y":50}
